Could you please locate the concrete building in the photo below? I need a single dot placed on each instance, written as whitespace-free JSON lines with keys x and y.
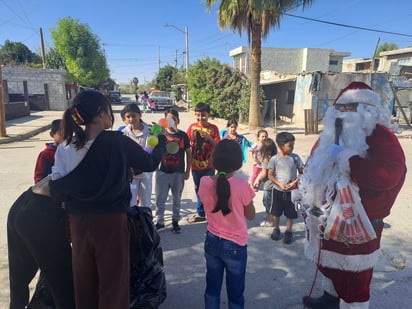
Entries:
{"x":396,"y":62}
{"x":27,"y":88}
{"x":290,"y":60}
{"x":300,"y":84}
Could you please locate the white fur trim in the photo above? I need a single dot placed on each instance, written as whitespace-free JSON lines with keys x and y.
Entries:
{"x":354,"y":263}
{"x":345,"y":305}
{"x":364,"y":96}
{"x":343,"y":160}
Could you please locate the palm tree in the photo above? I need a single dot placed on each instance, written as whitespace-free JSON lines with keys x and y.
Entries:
{"x":135,"y":82}
{"x":256,"y":17}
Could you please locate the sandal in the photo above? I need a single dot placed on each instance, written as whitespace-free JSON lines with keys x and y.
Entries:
{"x":196,"y":218}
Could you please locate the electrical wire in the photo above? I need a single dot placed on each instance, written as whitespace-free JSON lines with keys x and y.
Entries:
{"x":348,"y":26}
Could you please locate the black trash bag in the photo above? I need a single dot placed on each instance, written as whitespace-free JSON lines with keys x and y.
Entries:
{"x":147,"y":279}
{"x":42,"y":298}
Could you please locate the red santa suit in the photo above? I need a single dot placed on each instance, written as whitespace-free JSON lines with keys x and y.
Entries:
{"x":376,"y":165}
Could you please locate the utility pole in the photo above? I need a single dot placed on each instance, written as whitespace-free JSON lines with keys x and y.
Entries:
{"x":187,"y":52}
{"x":2,"y":107}
{"x":43,"y":53}
{"x":158,"y":53}
{"x":186,"y":33}
{"x":176,"y":60}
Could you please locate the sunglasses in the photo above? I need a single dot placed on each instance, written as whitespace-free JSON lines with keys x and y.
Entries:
{"x":349,"y":107}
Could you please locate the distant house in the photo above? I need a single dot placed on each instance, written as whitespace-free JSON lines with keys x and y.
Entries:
{"x":287,"y":76}
{"x":290,"y":60}
{"x":301,"y":83}
{"x":397,"y":62}
{"x":359,"y":65}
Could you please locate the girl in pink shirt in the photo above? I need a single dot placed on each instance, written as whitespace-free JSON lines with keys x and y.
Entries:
{"x":228,"y":202}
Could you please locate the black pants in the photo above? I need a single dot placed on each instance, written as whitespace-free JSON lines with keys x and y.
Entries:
{"x":37,"y":240}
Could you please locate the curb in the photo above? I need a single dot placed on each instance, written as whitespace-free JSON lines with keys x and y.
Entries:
{"x":20,"y":137}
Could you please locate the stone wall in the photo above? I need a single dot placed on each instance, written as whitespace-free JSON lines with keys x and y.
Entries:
{"x":36,"y":79}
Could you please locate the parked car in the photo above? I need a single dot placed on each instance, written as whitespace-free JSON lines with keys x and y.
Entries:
{"x":115,"y":97}
{"x":162,"y":99}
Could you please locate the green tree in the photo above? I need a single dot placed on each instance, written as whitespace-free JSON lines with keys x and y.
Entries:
{"x":200,"y":90}
{"x":385,"y":47}
{"x":18,"y":53}
{"x":167,"y":76}
{"x":226,"y":90}
{"x":54,"y":60}
{"x":85,"y":60}
{"x":256,"y":17}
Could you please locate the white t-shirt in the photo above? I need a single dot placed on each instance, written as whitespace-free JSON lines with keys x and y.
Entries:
{"x":67,"y":157}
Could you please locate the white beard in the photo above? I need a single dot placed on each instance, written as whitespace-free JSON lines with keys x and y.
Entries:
{"x":317,"y":184}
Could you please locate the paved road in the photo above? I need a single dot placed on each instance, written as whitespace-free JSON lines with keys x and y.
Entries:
{"x":277,"y":274}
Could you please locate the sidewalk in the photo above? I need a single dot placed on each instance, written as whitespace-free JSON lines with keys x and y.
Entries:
{"x":25,"y":127}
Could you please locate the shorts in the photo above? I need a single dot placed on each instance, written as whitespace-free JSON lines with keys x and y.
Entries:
{"x":282,"y":204}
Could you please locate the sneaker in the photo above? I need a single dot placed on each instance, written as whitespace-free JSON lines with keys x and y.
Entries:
{"x":275,"y":234}
{"x":288,"y":237}
{"x":265,"y":223}
{"x":176,"y":228}
{"x":160,"y":227}
{"x":196,"y":218}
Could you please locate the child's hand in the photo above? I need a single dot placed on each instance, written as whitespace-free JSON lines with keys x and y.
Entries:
{"x":206,"y":136}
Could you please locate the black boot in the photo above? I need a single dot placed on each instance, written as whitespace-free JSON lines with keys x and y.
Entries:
{"x":326,"y":301}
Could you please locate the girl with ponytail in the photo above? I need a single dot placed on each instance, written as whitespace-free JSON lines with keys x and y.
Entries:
{"x":91,"y":176}
{"x":228,"y":202}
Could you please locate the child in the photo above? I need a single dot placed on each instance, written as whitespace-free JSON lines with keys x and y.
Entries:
{"x":91,"y":176}
{"x":203,"y":137}
{"x":256,"y":156}
{"x":173,"y":171}
{"x":152,"y":105}
{"x":144,"y":99}
{"x":267,"y":151}
{"x":124,"y":120}
{"x":283,"y":170}
{"x":231,"y":133}
{"x":45,"y":160}
{"x":138,"y":131}
{"x":228,"y":200}
{"x":36,"y":239}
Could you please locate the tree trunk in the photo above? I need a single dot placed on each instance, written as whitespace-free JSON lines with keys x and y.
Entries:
{"x":255,"y":67}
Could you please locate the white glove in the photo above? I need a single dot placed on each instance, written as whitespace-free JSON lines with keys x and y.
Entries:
{"x":335,"y":150}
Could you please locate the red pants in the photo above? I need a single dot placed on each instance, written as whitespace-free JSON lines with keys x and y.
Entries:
{"x":255,"y":173}
{"x":101,"y":260}
{"x":351,"y":286}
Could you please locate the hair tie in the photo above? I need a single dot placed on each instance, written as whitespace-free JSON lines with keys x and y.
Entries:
{"x":77,"y":118}
{"x":222,"y":173}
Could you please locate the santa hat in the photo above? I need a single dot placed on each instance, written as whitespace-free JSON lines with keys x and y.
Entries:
{"x":358,"y":92}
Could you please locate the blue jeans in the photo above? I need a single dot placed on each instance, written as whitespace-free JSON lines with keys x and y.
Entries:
{"x":224,"y":255}
{"x":196,"y":179}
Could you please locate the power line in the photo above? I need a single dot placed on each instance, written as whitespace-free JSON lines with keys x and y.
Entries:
{"x":348,"y":26}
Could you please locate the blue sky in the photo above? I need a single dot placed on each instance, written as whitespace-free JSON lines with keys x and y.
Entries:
{"x":135,"y":39}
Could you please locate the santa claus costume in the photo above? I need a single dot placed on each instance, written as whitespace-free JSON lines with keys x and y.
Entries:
{"x":370,"y":159}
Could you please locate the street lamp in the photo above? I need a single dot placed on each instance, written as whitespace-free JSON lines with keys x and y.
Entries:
{"x":186,"y":33}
